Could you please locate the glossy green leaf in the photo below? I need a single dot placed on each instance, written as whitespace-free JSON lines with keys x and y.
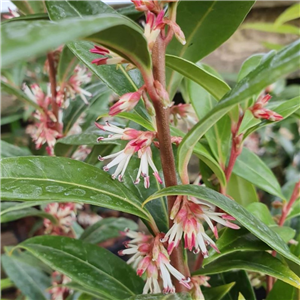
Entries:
{"x":137,"y":119}
{"x":249,"y":65}
{"x":39,"y":16}
{"x":106,"y":229}
{"x":8,"y":150}
{"x":262,"y":262}
{"x":241,"y":190}
{"x":66,"y":65}
{"x":291,"y":13}
{"x":29,"y":7}
{"x":130,"y":12}
{"x":31,"y":281}
{"x":270,"y":27}
{"x":11,"y":90}
{"x":282,"y":290}
{"x":271,"y":69}
{"x":217,"y":293}
{"x":7,"y":216}
{"x":207,"y":28}
{"x":91,"y":266}
{"x":250,"y":222}
{"x":261,"y":211}
{"x":29,"y":38}
{"x":235,"y":240}
{"x":250,"y":167}
{"x":286,"y":233}
{"x":65,"y":180}
{"x":85,"y":291}
{"x":208,"y":81}
{"x":242,"y":284}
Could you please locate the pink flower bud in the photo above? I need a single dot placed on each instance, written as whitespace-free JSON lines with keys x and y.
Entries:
{"x":177,"y":31}
{"x":163,"y":94}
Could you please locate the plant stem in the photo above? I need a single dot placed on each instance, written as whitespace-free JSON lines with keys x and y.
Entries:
{"x":166,"y":152}
{"x":52,"y":77}
{"x":236,"y":147}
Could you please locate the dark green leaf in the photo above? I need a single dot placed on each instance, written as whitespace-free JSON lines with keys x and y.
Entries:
{"x":8,"y":150}
{"x":254,"y":225}
{"x":106,"y":229}
{"x":181,"y":296}
{"x":235,"y":240}
{"x":31,"y":281}
{"x":91,"y":266}
{"x":207,"y":28}
{"x":241,"y":190}
{"x":33,"y":38}
{"x":130,"y":12}
{"x":208,"y":81}
{"x":65,"y":180}
{"x":250,"y":167}
{"x":270,"y":70}
{"x":217,"y":293}
{"x":262,"y":262}
{"x":282,"y":290}
{"x":7,"y":216}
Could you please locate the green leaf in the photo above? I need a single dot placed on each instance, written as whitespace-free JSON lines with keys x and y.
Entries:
{"x":261,"y":211}
{"x":8,"y":150}
{"x":106,"y":229}
{"x":249,"y":65}
{"x":40,"y":16}
{"x":241,"y":190}
{"x":11,"y":90}
{"x":22,"y":213}
{"x":31,"y":281}
{"x":291,"y":13}
{"x":137,"y":119}
{"x":242,"y":284}
{"x":262,"y":262}
{"x":29,"y":37}
{"x":250,"y":167}
{"x":250,"y":222}
{"x":208,"y":81}
{"x":235,"y":240}
{"x":65,"y":180}
{"x":282,"y":290}
{"x":270,"y":27}
{"x":91,"y":266}
{"x":270,"y":70}
{"x":66,"y":65}
{"x":29,"y":7}
{"x":217,"y":293}
{"x":130,"y":12}
{"x":207,"y":28}
{"x":6,"y":283}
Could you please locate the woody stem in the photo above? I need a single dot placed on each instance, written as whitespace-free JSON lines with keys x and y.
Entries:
{"x":166,"y":152}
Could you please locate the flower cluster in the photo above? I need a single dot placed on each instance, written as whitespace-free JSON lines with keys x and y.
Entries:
{"x":183,"y":112}
{"x":151,"y":257}
{"x":58,"y":291}
{"x":260,"y":112}
{"x":188,"y":215}
{"x":46,"y":128}
{"x":140,"y":143}
{"x":196,"y":282}
{"x":72,"y":87}
{"x":64,"y":214}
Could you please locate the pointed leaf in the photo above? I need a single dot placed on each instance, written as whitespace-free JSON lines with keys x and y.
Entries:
{"x":217,"y":293}
{"x":8,"y":150}
{"x":291,"y":13}
{"x":207,"y":28}
{"x":65,"y":180}
{"x":91,"y":266}
{"x":106,"y":229}
{"x":282,"y":290}
{"x":208,"y":81}
{"x":270,"y":70}
{"x":33,"y":38}
{"x":262,"y":262}
{"x":254,"y":225}
{"x":271,"y":27}
{"x":31,"y":281}
{"x":250,"y":167}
